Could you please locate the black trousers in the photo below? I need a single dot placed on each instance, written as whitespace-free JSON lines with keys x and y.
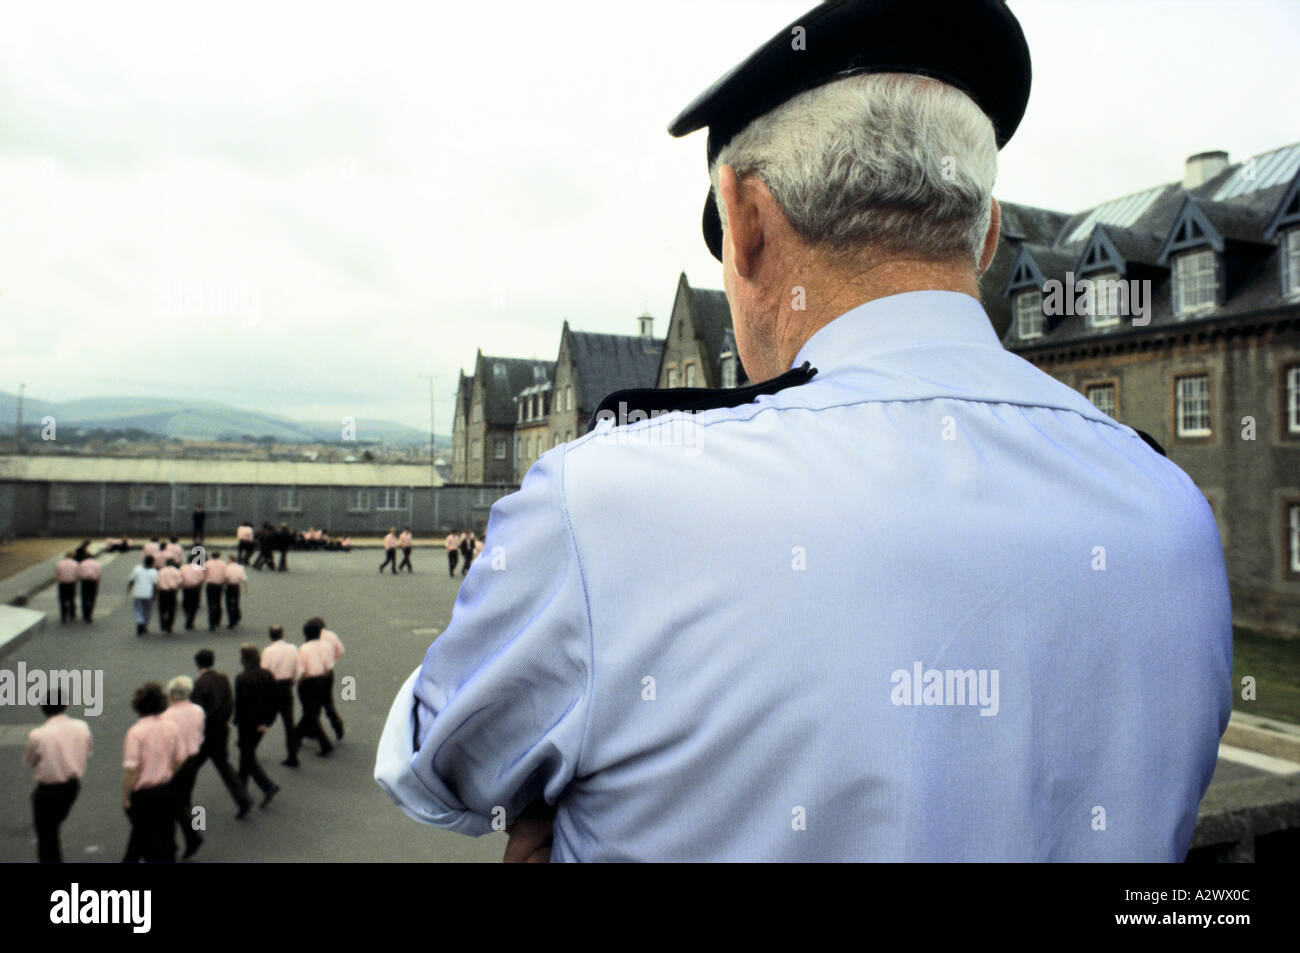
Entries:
{"x":406,"y":559}
{"x":335,"y":721}
{"x":313,"y":693}
{"x":390,"y":559}
{"x":166,"y":609}
{"x":232,"y":605}
{"x":284,"y":705}
{"x":245,"y":551}
{"x":284,"y":560}
{"x":469,"y":558}
{"x":452,"y":558}
{"x":182,"y":795}
{"x":216,"y":746}
{"x":190,"y":603}
{"x":248,"y":765}
{"x":67,"y":602}
{"x":50,"y":806}
{"x":214,"y":603}
{"x":265,"y":557}
{"x":89,"y":590}
{"x":153,"y":834}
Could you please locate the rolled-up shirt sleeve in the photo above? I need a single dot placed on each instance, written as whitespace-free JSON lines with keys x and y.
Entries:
{"x":496,"y":716}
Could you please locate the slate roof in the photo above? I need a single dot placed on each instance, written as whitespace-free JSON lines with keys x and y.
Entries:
{"x":609,"y":362}
{"x":502,"y":378}
{"x":1238,"y":206}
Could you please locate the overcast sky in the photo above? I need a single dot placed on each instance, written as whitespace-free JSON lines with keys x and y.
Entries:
{"x":301,"y":208}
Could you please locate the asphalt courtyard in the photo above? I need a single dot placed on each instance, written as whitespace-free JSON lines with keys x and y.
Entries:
{"x":329,"y":809}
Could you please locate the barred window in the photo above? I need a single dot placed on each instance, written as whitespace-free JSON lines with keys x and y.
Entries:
{"x":1102,"y":397}
{"x":61,"y":500}
{"x":142,"y":498}
{"x":1291,"y":262}
{"x":1107,"y":298}
{"x":1196,"y":284}
{"x":1293,"y":399}
{"x":390,"y":498}
{"x":290,"y":499}
{"x":1293,"y":540}
{"x":1029,"y":315}
{"x":359,"y":501}
{"x":1192,"y":407}
{"x":217,"y":498}
{"x":499,"y":448}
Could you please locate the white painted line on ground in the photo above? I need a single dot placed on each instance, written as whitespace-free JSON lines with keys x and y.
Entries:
{"x":15,"y":736}
{"x":1261,"y":762}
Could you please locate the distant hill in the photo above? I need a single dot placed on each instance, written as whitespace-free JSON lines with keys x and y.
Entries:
{"x":198,"y":420}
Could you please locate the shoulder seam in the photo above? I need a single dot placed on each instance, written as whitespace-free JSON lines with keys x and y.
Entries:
{"x":589,"y":688}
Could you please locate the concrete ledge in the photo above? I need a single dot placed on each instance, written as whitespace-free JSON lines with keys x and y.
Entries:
{"x":1234,"y":817}
{"x":16,"y":625}
{"x":1264,"y":741}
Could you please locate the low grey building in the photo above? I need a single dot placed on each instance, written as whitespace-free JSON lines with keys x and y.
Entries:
{"x":66,"y":495}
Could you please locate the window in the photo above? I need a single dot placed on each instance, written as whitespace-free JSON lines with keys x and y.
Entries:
{"x":1108,"y":297}
{"x":216,"y":498}
{"x":141,"y":498}
{"x":499,"y":448}
{"x":390,"y":498}
{"x":523,"y":402}
{"x":1293,"y":399}
{"x":690,"y":374}
{"x":1293,"y":535}
{"x":1196,"y":285}
{"x":728,"y":370}
{"x":568,"y":398}
{"x":1192,"y":405}
{"x":359,"y":501}
{"x":1102,"y":397}
{"x":483,"y":498}
{"x":290,"y":499}
{"x":568,"y":436}
{"x":476,"y":415}
{"x":1291,"y":262}
{"x":1029,"y":315}
{"x":476,"y":451}
{"x":61,"y":498}
{"x":672,"y":375}
{"x":556,"y":441}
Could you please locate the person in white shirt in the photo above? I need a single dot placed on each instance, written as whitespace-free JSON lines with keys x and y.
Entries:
{"x":141,"y":585}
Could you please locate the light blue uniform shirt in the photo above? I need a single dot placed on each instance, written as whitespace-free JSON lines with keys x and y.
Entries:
{"x":932,"y":605}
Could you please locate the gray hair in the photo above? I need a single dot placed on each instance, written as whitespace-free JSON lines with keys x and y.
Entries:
{"x":179,"y":688}
{"x":893,"y":160}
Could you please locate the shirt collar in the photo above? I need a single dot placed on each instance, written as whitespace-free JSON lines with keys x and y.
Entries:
{"x":911,"y":319}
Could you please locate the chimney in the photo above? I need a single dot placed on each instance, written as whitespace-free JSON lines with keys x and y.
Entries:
{"x":1202,"y":167}
{"x":647,"y":325}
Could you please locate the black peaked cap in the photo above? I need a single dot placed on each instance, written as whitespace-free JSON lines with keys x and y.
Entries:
{"x":974,"y":45}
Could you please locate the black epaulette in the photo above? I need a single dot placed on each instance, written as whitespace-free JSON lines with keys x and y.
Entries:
{"x":651,"y":401}
{"x":1151,"y":442}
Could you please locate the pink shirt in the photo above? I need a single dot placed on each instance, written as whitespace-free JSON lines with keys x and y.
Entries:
{"x":335,"y":644}
{"x":174,"y":551}
{"x":189,"y":719}
{"x":169,"y":579}
{"x":314,"y":659}
{"x":154,"y":747}
{"x":151,"y":549}
{"x":478,"y":547}
{"x":58,"y":749}
{"x":235,"y":574}
{"x":216,"y":573}
{"x":390,"y":541}
{"x":245,"y":533}
{"x":280,"y":658}
{"x":191,"y":576}
{"x":88,"y":569}
{"x":404,"y":540}
{"x":450,"y":542}
{"x":65,"y":570}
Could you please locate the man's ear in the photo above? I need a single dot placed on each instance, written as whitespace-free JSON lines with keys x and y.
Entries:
{"x":991,"y":238}
{"x":744,"y":231}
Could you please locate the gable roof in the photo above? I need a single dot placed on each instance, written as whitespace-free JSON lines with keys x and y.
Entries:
{"x":710,"y":316}
{"x":608,"y":362}
{"x":502,"y":378}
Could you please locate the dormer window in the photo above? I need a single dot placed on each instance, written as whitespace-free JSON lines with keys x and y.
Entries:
{"x":1029,"y":315}
{"x":1195,"y":282}
{"x":1106,"y":299}
{"x":1291,"y":262}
